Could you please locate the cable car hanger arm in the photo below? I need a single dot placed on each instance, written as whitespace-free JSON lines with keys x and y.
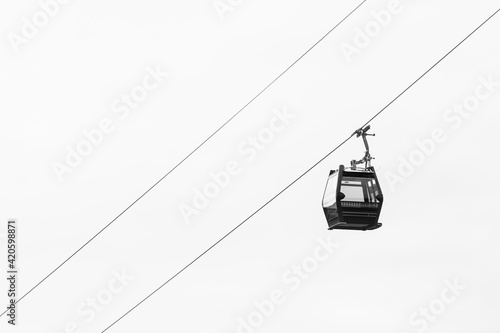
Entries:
{"x":367,"y":158}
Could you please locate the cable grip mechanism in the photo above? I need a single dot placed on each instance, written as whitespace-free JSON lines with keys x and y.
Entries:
{"x":367,"y":158}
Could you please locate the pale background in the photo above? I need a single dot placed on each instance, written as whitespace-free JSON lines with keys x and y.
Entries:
{"x":439,"y":225}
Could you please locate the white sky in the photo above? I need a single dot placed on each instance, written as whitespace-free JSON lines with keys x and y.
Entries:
{"x":439,"y":224}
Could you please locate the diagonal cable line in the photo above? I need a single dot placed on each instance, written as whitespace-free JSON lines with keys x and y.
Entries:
{"x":301,"y":176}
{"x":194,"y":150}
{"x":432,"y":67}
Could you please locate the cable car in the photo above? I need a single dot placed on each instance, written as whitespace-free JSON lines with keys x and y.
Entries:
{"x":353,"y":197}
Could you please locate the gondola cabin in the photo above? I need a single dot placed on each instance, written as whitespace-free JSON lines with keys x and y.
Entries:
{"x":353,"y":199}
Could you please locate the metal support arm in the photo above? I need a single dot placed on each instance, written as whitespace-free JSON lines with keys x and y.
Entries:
{"x":367,"y":158}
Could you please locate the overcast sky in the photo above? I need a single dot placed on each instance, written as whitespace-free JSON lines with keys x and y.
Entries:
{"x":102,"y":98}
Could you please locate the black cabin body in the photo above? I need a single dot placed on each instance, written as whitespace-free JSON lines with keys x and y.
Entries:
{"x":353,"y":199}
